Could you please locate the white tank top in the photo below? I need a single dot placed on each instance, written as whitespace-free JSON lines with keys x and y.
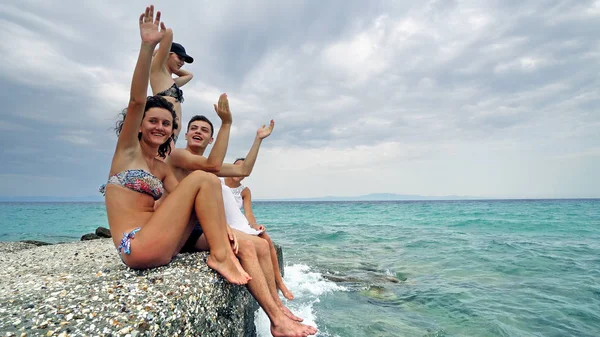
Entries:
{"x":235,"y":217}
{"x":237,"y":193}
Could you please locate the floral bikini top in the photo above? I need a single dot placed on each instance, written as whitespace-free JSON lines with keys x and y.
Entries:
{"x":174,"y":92}
{"x":137,"y":180}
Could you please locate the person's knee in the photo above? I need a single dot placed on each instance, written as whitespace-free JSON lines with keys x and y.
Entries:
{"x":262,"y":247}
{"x":266,"y":237}
{"x":199,"y":176}
{"x":204,"y":179}
{"x":146,"y":259}
{"x":213,"y":179}
{"x":246,"y":249}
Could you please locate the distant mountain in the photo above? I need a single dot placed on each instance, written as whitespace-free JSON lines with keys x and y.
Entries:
{"x":380,"y":197}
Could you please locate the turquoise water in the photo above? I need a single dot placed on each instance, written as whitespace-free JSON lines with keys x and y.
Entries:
{"x":431,"y":268}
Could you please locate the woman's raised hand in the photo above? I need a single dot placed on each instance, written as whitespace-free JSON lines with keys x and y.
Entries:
{"x":149,"y":27}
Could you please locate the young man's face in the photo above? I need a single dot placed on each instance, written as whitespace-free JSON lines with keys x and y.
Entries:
{"x":198,"y":134}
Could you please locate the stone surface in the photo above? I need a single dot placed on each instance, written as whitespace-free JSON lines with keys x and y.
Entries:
{"x":103,"y":232}
{"x":83,"y":289}
{"x":36,"y":243}
{"x":279,"y":258}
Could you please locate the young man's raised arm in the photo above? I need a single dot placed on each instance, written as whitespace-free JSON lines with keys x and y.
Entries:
{"x":244,"y":170}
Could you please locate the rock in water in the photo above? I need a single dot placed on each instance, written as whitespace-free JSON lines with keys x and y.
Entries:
{"x":37,"y":243}
{"x":279,"y":252}
{"x":103,"y":232}
{"x":90,"y":236}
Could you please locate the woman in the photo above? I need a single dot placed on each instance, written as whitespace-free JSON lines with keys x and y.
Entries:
{"x":168,"y":60}
{"x":243,"y":198}
{"x":151,"y":238}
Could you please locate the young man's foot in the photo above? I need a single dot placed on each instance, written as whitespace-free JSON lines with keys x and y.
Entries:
{"x":288,"y":328}
{"x":228,"y":270}
{"x":289,"y":314}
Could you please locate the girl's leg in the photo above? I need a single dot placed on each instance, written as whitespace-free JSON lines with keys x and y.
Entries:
{"x":278,"y":279}
{"x":160,"y":238}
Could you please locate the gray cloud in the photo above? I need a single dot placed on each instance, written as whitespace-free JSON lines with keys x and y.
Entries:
{"x":494,"y":98}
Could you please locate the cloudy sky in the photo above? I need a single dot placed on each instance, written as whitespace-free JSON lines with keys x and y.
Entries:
{"x":477,"y":98}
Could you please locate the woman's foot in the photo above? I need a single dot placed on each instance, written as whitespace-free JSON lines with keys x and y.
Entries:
{"x":228,"y":270}
{"x":237,"y":264}
{"x":289,"y":328}
{"x":284,"y":290}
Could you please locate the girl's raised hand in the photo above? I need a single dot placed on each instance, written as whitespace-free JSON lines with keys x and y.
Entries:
{"x":149,"y":27}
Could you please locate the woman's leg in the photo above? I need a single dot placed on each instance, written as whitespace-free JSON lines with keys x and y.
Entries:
{"x":162,"y":235}
{"x":278,"y":279}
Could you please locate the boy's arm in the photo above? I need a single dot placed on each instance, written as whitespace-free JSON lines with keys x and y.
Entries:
{"x":244,"y":170}
{"x":188,"y":161}
{"x":217,"y":154}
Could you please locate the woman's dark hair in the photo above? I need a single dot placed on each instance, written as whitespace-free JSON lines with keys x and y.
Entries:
{"x":238,"y":159}
{"x":153,"y":102}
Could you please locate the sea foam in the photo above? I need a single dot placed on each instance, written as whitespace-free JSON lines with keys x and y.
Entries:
{"x":307,"y":286}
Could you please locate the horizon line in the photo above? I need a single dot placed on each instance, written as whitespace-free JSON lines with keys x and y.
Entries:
{"x":45,"y":199}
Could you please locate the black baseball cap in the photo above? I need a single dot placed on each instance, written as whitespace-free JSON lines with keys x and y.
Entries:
{"x":179,"y":50}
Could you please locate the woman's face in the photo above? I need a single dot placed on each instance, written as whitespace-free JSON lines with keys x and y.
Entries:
{"x":174,"y":62}
{"x":157,"y":126}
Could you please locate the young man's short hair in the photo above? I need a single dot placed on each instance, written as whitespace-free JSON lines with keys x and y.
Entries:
{"x":204,"y":119}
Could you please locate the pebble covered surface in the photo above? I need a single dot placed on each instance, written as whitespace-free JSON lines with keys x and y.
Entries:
{"x":83,"y":289}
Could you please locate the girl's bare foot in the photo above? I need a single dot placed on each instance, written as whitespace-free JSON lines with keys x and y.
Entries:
{"x":284,"y":290}
{"x":227,"y":269}
{"x":288,"y":328}
{"x":237,"y":264}
{"x":289,"y":314}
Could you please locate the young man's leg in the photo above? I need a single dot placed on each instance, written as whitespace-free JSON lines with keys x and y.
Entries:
{"x":264,"y":257}
{"x":281,"y":324}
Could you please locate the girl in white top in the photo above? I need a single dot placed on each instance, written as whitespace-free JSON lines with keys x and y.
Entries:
{"x":237,"y":196}
{"x":235,"y":218}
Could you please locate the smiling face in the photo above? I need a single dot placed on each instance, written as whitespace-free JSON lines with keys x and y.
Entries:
{"x":157,"y":126}
{"x":174,"y":62}
{"x":199,"y":134}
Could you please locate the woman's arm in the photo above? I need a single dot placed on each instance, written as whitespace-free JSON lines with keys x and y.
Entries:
{"x":184,"y":76}
{"x":247,"y":198}
{"x":159,"y":62}
{"x":169,"y":180}
{"x":151,"y":35}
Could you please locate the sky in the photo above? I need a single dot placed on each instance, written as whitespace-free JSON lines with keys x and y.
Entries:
{"x":472,"y":98}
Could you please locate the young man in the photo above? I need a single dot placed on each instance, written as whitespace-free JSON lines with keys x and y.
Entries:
{"x":253,"y":252}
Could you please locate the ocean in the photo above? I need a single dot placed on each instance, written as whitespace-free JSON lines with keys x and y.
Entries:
{"x":409,"y":268}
